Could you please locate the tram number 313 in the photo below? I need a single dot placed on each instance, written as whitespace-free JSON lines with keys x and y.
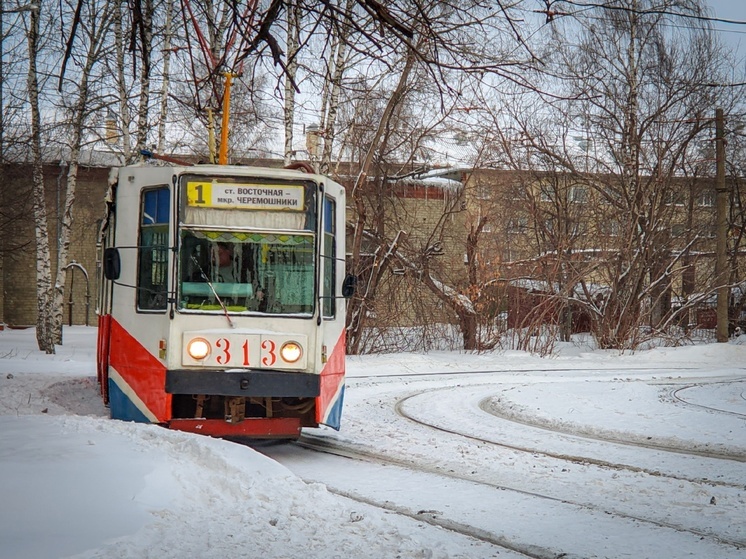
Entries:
{"x":241,"y":351}
{"x":269,"y":352}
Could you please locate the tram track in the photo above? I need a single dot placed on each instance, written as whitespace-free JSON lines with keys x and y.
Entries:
{"x":487,"y":407}
{"x":327,"y":446}
{"x":675,"y":394}
{"x":321,"y":444}
{"x":437,"y":374}
{"x":655,"y":509}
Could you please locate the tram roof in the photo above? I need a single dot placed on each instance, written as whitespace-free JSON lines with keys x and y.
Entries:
{"x":208,"y":169}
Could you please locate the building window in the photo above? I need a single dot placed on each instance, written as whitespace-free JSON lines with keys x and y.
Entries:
{"x":578,"y":229}
{"x":609,"y":228}
{"x":673,"y":198}
{"x":707,"y":231}
{"x":545,"y":194}
{"x":483,"y":191}
{"x":706,"y":198}
{"x":518,"y":191}
{"x":518,"y":225}
{"x":611,"y":196}
{"x":578,"y":194}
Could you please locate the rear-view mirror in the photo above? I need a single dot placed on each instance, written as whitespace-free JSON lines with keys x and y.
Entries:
{"x":348,"y":286}
{"x":112,"y":264}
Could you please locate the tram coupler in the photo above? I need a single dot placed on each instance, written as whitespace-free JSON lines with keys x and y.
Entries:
{"x":235,"y":409}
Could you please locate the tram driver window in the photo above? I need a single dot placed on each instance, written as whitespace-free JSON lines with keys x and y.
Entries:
{"x":152,"y":273}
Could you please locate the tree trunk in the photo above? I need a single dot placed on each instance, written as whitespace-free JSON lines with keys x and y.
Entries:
{"x":124,"y":113}
{"x":66,"y":223}
{"x":44,"y":332}
{"x":329,"y":114}
{"x":143,"y":126}
{"x":356,"y":308}
{"x":291,"y":71}
{"x":166,"y":77}
{"x":78,"y":116}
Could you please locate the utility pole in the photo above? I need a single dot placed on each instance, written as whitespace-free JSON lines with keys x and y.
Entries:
{"x":2,"y":82}
{"x":721,"y":230}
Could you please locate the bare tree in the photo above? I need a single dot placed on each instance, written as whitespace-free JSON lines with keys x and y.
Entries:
{"x":165,"y":82}
{"x":84,"y":104}
{"x":437,"y":48}
{"x":293,"y":39}
{"x":638,"y":89}
{"x":420,"y":43}
{"x":143,"y":28}
{"x":357,"y":309}
{"x":44,"y":321}
{"x":122,"y":84}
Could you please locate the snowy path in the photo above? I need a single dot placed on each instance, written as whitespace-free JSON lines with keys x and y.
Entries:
{"x":532,"y":524}
{"x":547,"y":492}
{"x":77,"y":484}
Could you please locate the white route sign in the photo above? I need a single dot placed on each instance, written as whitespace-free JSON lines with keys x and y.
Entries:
{"x":245,"y":196}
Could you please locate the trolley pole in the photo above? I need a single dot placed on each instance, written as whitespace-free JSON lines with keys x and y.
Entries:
{"x":721,"y":225}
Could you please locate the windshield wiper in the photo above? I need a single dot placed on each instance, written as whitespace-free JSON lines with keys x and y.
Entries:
{"x":217,"y":297}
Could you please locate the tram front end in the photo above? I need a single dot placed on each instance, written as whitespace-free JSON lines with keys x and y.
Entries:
{"x":222,"y":300}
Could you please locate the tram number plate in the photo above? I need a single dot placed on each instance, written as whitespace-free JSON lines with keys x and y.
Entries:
{"x":248,"y":350}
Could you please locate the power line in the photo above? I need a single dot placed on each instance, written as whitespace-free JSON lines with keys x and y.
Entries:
{"x":651,"y":11}
{"x":581,"y":14}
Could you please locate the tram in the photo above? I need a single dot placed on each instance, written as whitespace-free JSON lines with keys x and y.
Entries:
{"x":222,"y":299}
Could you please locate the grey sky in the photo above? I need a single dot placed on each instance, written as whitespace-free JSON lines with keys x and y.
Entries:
{"x":732,"y":34}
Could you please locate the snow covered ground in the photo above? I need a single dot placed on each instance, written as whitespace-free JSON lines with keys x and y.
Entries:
{"x":75,"y":484}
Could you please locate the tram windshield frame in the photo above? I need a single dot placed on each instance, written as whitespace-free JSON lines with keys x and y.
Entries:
{"x":248,"y":245}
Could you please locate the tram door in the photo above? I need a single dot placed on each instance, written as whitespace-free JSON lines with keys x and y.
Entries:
{"x":134,"y":308}
{"x":332,"y":306}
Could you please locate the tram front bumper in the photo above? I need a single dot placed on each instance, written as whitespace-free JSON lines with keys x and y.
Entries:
{"x":248,"y":383}
{"x":250,"y":428}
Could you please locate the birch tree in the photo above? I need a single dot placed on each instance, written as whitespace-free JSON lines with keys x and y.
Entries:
{"x":143,"y":26}
{"x":119,"y":68}
{"x":45,"y":314}
{"x":291,"y":73}
{"x":339,"y":63}
{"x":84,"y":105}
{"x":166,"y":80}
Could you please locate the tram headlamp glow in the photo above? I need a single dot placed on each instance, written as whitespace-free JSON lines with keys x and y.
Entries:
{"x":198,"y":348}
{"x":291,"y":352}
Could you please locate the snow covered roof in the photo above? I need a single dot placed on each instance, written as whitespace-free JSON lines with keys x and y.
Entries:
{"x":532,"y":285}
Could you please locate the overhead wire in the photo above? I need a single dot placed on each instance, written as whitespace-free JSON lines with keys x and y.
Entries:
{"x":584,"y":7}
{"x":649,"y":11}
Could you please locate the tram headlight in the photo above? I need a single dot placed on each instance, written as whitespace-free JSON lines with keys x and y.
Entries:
{"x":291,"y":352}
{"x":198,"y":348}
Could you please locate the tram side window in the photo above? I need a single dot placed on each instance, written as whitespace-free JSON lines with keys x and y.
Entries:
{"x":330,"y":258}
{"x":152,"y":274}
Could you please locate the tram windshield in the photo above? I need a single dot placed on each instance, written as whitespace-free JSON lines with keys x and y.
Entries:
{"x":246,"y":271}
{"x":247,"y":244}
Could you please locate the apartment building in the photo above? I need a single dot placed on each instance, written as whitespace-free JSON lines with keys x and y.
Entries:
{"x":526,"y":224}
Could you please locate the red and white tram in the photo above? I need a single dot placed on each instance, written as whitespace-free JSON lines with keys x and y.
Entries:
{"x":221,"y":304}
